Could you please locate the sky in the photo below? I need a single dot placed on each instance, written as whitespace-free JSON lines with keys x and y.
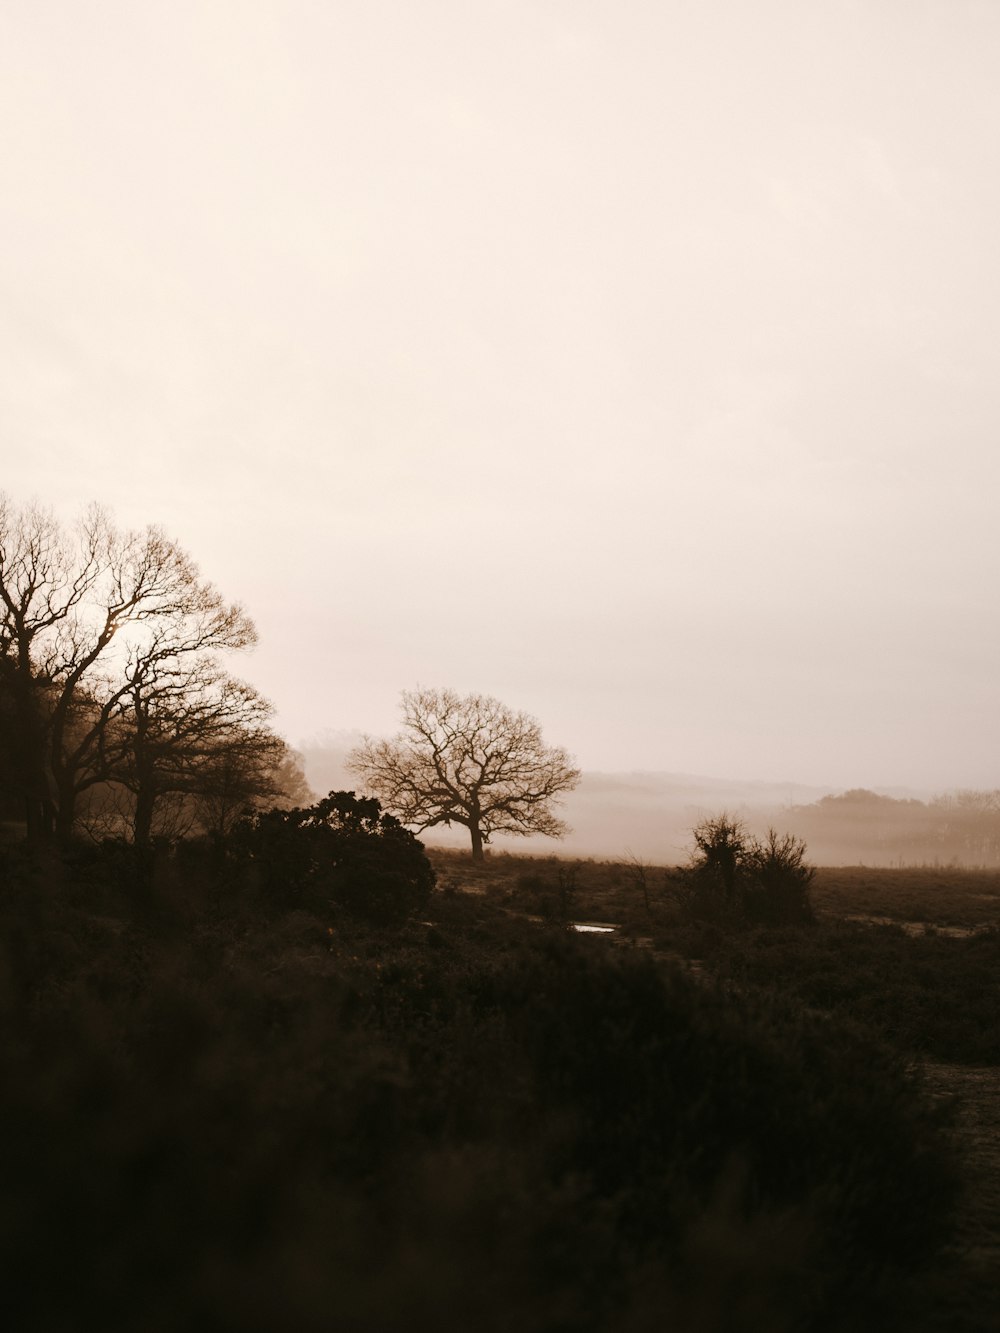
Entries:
{"x":632,"y":361}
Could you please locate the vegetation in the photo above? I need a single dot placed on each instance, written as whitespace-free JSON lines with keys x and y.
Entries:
{"x":341,"y":851}
{"x":930,"y":995}
{"x":736,"y":877}
{"x":116,"y":712}
{"x":960,"y":827}
{"x":230,"y":1106}
{"x":468,"y":761}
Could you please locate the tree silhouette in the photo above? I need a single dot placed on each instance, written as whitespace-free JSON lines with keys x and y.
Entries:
{"x":84,"y":613}
{"x":192,"y":737}
{"x":469,"y":761}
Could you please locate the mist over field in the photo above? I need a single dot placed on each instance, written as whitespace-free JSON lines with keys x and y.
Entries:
{"x":648,"y":814}
{"x":651,"y":815}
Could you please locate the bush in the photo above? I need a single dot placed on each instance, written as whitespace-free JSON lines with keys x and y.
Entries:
{"x":341,"y":850}
{"x":736,"y":878}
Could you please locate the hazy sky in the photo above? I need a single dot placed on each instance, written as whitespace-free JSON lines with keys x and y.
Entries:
{"x":635,"y":362}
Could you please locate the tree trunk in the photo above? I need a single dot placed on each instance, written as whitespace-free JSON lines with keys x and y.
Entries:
{"x":477,"y":842}
{"x":65,"y":815}
{"x":39,"y":818}
{"x":31,"y":761}
{"x":142,"y":820}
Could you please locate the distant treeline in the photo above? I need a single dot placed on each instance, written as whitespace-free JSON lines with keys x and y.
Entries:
{"x":961,"y":828}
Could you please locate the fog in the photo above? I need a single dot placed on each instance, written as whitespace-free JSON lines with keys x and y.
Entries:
{"x":650,"y":816}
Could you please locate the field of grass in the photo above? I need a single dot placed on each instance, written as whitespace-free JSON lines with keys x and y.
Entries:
{"x":940,"y":897}
{"x":613,"y":890}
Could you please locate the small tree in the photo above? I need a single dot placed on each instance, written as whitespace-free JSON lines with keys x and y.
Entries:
{"x":637,"y":874}
{"x":469,"y":761}
{"x":723,"y":848}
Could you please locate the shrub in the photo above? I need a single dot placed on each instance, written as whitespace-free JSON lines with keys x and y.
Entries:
{"x":736,"y":878}
{"x":341,"y":850}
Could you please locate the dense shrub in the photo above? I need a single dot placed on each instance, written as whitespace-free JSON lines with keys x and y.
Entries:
{"x":735,"y":878}
{"x":341,"y":850}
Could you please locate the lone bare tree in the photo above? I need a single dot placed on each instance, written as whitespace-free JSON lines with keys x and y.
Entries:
{"x":469,"y":761}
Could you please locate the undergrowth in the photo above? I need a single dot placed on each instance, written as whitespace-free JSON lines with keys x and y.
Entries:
{"x":221,"y":1110}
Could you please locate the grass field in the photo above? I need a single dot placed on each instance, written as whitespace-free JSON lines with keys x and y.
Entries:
{"x":613,"y":890}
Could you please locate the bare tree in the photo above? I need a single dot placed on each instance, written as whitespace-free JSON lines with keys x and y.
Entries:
{"x":188,"y":731}
{"x":469,"y":761}
{"x":83,"y":613}
{"x":637,"y":872}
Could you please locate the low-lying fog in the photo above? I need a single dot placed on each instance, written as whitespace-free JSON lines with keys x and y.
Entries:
{"x":650,"y":816}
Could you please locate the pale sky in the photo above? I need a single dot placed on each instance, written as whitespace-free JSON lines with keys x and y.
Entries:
{"x":636,"y":363}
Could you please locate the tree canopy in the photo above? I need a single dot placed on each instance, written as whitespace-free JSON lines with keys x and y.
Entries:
{"x":467,"y":760}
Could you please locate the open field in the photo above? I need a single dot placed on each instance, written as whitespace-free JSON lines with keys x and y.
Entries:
{"x":939,"y":897}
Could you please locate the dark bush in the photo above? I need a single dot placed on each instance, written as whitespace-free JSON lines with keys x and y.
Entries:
{"x":735,"y":878}
{"x":342,"y":850}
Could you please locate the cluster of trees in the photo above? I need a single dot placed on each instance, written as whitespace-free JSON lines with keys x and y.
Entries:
{"x":961,"y":827}
{"x":117,"y":711}
{"x":116,"y":708}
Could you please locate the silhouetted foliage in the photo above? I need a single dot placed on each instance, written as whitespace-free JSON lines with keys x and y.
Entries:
{"x":737,"y":877}
{"x":342,"y":850}
{"x":930,"y":995}
{"x":88,"y":617}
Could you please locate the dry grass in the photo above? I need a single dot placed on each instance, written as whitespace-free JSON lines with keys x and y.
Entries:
{"x":611,"y":891}
{"x":942,"y":897}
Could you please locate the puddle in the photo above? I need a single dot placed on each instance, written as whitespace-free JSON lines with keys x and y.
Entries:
{"x":591,"y":928}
